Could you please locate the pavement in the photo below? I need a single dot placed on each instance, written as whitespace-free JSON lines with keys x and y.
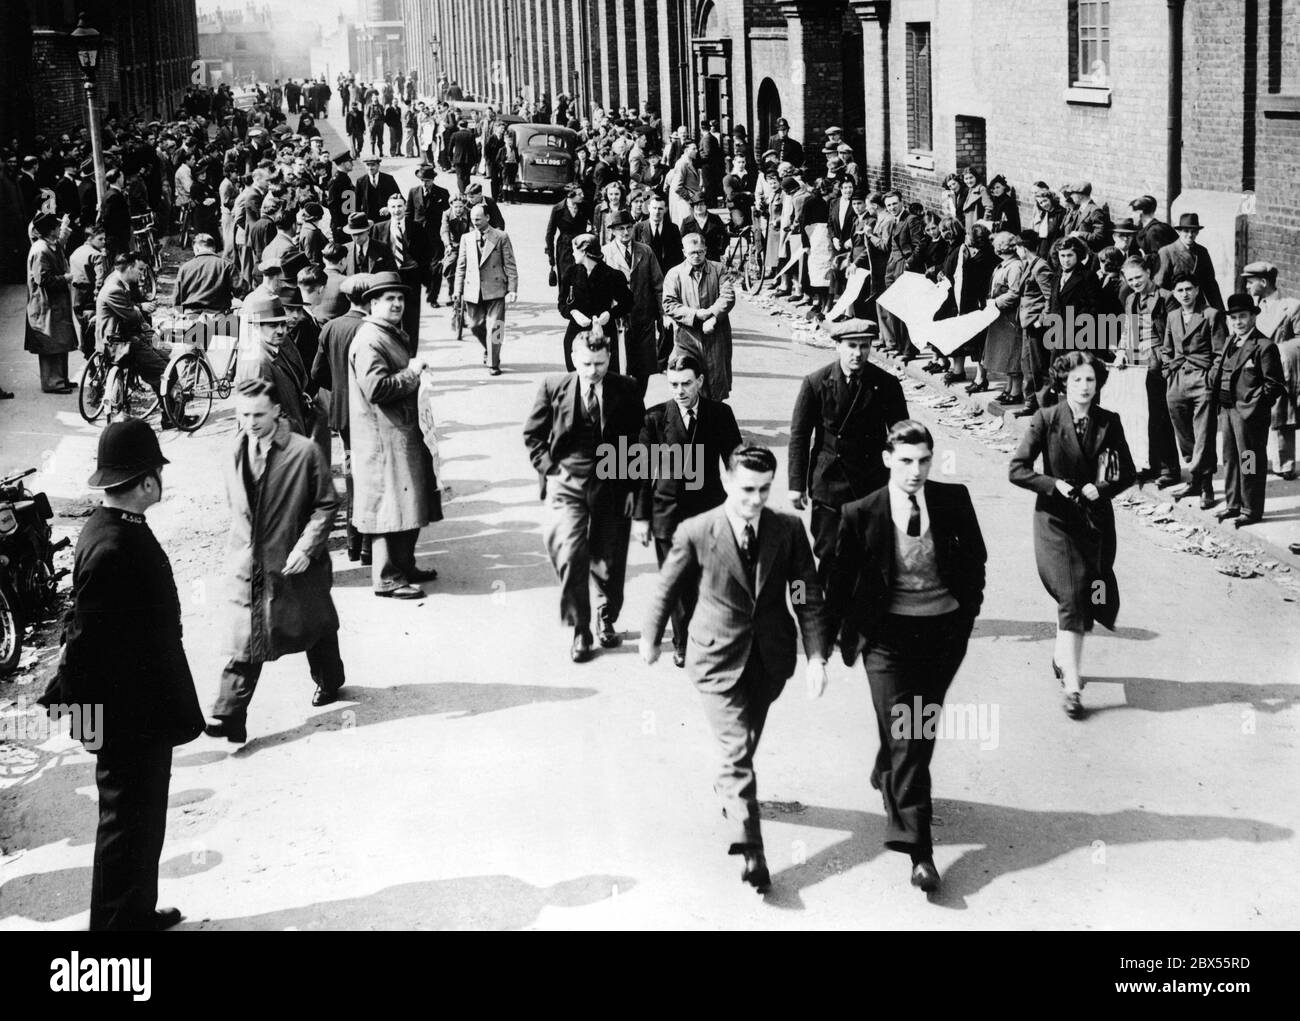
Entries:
{"x":472,"y":777}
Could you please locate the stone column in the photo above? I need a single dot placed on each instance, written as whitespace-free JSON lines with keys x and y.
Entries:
{"x":874,"y":15}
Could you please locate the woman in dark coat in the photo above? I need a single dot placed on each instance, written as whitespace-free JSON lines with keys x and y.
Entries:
{"x":568,"y":220}
{"x":592,"y":296}
{"x":1003,"y":212}
{"x":970,"y":267}
{"x":50,"y":331}
{"x":1086,"y":464}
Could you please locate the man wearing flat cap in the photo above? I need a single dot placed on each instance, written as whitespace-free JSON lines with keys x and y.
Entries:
{"x":1279,"y":320}
{"x":1084,"y":218}
{"x":1187,"y":256}
{"x":1245,"y":381}
{"x":123,"y":667}
{"x":373,"y":189}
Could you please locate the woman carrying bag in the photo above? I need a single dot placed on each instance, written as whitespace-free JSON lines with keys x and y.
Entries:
{"x":1086,"y":464}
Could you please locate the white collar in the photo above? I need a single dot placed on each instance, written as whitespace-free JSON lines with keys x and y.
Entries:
{"x":900,"y":508}
{"x":738,"y":523}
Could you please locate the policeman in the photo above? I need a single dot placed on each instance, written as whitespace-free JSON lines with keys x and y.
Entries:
{"x":122,"y":651}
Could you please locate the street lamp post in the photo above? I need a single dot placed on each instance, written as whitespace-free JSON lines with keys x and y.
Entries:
{"x":87,"y":42}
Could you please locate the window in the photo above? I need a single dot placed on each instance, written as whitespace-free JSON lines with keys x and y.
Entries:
{"x":920,"y":123}
{"x":1090,"y":43}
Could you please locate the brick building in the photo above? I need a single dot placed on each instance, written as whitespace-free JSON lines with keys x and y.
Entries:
{"x":256,"y":44}
{"x":1196,"y":102}
{"x":145,"y":63}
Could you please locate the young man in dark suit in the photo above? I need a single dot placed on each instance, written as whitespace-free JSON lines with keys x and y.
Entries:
{"x":841,"y":418}
{"x":745,"y":560}
{"x":425,"y":205}
{"x":660,"y":234}
{"x":1194,"y":336}
{"x":1186,"y":256}
{"x":703,"y":433}
{"x":905,"y":589}
{"x":577,"y":418}
{"x":373,"y":189}
{"x":364,"y":253}
{"x":1245,"y":380}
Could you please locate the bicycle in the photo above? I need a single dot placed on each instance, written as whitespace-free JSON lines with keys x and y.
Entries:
{"x":108,"y":386}
{"x":146,"y":243}
{"x":744,"y":258}
{"x":189,"y":382}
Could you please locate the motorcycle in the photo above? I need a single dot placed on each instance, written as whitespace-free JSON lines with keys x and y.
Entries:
{"x":28,"y":582}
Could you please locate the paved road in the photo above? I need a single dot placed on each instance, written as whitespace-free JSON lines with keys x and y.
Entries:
{"x":474,"y":777}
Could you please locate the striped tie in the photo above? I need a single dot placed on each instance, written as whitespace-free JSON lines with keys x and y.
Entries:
{"x":399,"y":246}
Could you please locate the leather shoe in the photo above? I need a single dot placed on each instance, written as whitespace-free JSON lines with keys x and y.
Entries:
{"x":1027,"y":411}
{"x":1226,"y":513}
{"x":163,"y":918}
{"x":367,"y":557}
{"x":609,"y":638}
{"x":1167,"y":481}
{"x":1190,"y":489}
{"x":1243,"y":520}
{"x":402,"y":592}
{"x":755,"y":872}
{"x":1207,"y":501}
{"x":424,"y":574}
{"x":324,"y":696}
{"x":354,"y":548}
{"x":925,"y":876}
{"x":679,"y":658}
{"x":580,"y":651}
{"x":234,"y":731}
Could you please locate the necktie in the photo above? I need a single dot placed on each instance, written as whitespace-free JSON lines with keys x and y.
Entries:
{"x":689,"y":419}
{"x":257,"y":457}
{"x":593,"y":407}
{"x":914,"y":519}
{"x":399,"y":246}
{"x":748,"y":549}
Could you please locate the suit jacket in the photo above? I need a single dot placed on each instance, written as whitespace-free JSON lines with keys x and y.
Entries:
{"x":424,"y":211}
{"x":550,"y":429}
{"x":1197,"y":341}
{"x":464,"y":148}
{"x":1081,"y":292}
{"x":836,"y":439}
{"x":906,"y":239}
{"x":714,"y":233}
{"x":1252,"y":372}
{"x":1176,"y":258}
{"x":377,"y":258}
{"x":735,"y":618}
{"x":1036,"y":290}
{"x":859,"y":587}
{"x":1165,"y":303}
{"x":205,"y":282}
{"x":382,"y":234}
{"x":1154,"y":236}
{"x":372,"y":198}
{"x":842,"y":232}
{"x":118,"y":315}
{"x":667,"y":246}
{"x":493,"y":273}
{"x":666,"y":502}
{"x":1091,"y":222}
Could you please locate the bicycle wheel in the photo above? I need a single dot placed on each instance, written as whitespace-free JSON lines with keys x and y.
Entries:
{"x":148,"y":281}
{"x":754,"y":267}
{"x":129,"y":396}
{"x":90,"y":396}
{"x":187,"y":392}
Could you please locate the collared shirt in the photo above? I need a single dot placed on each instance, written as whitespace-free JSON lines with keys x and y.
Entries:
{"x":900,"y":508}
{"x":584,"y":389}
{"x":738,"y":524}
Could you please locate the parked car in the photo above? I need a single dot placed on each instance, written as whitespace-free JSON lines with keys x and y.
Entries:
{"x":548,"y":156}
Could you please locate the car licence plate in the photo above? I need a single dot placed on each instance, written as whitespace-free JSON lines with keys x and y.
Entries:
{"x":549,"y":163}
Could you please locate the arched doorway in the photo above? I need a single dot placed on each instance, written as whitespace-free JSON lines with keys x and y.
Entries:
{"x":769,"y":109}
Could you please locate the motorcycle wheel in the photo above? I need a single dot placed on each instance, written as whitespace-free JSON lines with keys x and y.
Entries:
{"x":11,"y":632}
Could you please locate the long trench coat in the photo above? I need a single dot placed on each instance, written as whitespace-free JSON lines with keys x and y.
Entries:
{"x":290,"y":509}
{"x":394,"y":485}
{"x":684,"y":296}
{"x":51,"y":329}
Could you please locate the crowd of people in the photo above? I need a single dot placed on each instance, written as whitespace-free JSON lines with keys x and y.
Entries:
{"x":330,"y":271}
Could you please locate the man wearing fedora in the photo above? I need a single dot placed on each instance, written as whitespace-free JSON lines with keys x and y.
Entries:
{"x":364,"y":253}
{"x":373,"y":189}
{"x":1245,"y":380}
{"x":278,"y":572}
{"x":394,"y":233}
{"x":265,"y":353}
{"x":645,"y":282}
{"x":122,"y":655}
{"x":425,"y":205}
{"x":486,"y":279}
{"x":1279,"y":320}
{"x":1186,"y":256}
{"x":395,"y":490}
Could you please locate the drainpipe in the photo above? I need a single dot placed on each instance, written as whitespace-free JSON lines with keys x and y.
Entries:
{"x":1174,"y":143}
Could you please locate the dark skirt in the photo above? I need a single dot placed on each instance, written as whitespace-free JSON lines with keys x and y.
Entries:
{"x":1075,"y":555}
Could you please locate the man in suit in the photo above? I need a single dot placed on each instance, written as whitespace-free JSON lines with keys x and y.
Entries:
{"x":373,"y":190}
{"x":364,"y":253}
{"x":67,"y":198}
{"x":711,"y":163}
{"x":1245,"y":380}
{"x":1152,"y":234}
{"x":425,"y":205}
{"x":119,"y":316}
{"x":905,"y":589}
{"x":1037,"y":291}
{"x":1279,"y":320}
{"x":486,"y":281}
{"x":1084,"y":218}
{"x":745,"y":559}
{"x":577,"y":421}
{"x":474,"y":195}
{"x":115,"y":216}
{"x":207,"y":282}
{"x":703,"y":433}
{"x":708,"y":225}
{"x":1186,"y":256}
{"x":123,"y":656}
{"x":463,"y":151}
{"x":1147,"y":311}
{"x":841,"y":420}
{"x":906,"y":239}
{"x":395,"y":234}
{"x":645,"y":281}
{"x":1194,"y":336}
{"x":660,"y":234}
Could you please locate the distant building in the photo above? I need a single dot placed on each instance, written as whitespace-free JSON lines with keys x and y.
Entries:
{"x":379,"y":39}
{"x":255,"y":44}
{"x":145,"y":63}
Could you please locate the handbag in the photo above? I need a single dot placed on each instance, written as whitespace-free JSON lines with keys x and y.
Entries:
{"x":551,"y":278}
{"x":1107,"y":467}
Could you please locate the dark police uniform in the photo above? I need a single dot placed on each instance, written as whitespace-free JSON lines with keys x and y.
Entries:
{"x":122,"y":650}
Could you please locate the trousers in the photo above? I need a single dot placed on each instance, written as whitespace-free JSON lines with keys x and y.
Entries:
{"x":133,"y":785}
{"x":1245,"y":460}
{"x":684,"y":609}
{"x":1190,"y":408}
{"x":737,"y":717}
{"x":587,"y":537}
{"x":393,"y":563}
{"x":239,"y":678}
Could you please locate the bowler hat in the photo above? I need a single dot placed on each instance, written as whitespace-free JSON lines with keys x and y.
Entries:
{"x":1189,"y":221}
{"x":293,"y":264}
{"x":290,"y":296}
{"x":127,"y":450}
{"x":1260,"y":269}
{"x":621,"y":218}
{"x":261,"y":307}
{"x":381,"y":282}
{"x":312,"y":211}
{"x":426,"y":171}
{"x":1242,"y":303}
{"x":44,"y":223}
{"x":358,"y":223}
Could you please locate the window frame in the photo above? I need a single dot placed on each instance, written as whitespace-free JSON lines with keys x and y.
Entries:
{"x":916,"y":91}
{"x":1099,"y":26}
